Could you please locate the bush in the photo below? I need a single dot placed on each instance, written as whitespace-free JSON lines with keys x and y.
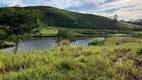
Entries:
{"x":5,"y":44}
{"x":139,"y":51}
{"x":138,"y":35}
{"x":64,"y":34}
{"x":96,"y":43}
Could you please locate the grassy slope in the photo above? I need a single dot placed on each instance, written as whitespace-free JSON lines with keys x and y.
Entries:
{"x":108,"y":62}
{"x":62,"y":18}
{"x":52,"y":31}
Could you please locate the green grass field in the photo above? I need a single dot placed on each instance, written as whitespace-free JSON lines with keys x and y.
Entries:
{"x":111,"y":61}
{"x":52,"y":31}
{"x":48,"y":31}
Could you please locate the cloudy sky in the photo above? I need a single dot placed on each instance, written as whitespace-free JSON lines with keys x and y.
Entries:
{"x":125,"y":9}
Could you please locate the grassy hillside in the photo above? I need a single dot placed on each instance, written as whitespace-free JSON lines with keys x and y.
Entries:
{"x":62,"y":18}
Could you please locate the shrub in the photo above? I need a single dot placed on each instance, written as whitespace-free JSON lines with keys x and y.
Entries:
{"x":64,"y":34}
{"x":139,"y":51}
{"x":96,"y":43}
{"x":5,"y":44}
{"x":138,"y":35}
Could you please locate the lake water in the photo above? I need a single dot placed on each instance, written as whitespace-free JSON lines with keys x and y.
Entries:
{"x":47,"y":43}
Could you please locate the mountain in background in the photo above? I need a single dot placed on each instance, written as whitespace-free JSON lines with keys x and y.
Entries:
{"x":62,"y":18}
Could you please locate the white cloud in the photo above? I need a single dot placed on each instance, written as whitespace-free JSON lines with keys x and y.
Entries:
{"x":123,"y":15}
{"x":96,"y":2}
{"x":9,"y":2}
{"x":55,"y":3}
{"x":120,"y":4}
{"x":125,"y":9}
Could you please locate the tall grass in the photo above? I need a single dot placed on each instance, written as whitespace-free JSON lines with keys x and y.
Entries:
{"x":107,"y":62}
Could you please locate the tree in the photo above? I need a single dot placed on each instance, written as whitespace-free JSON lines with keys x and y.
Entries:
{"x":115,"y":17}
{"x":3,"y":36}
{"x":65,"y":34}
{"x":17,"y":21}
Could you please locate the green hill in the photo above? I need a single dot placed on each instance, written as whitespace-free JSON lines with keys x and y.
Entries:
{"x":62,"y":18}
{"x":67,"y":19}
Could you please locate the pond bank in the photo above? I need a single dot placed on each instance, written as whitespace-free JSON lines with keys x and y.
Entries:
{"x":75,"y":36}
{"x":6,"y":44}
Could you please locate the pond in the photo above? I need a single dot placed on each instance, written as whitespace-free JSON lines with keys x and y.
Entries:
{"x":49,"y":42}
